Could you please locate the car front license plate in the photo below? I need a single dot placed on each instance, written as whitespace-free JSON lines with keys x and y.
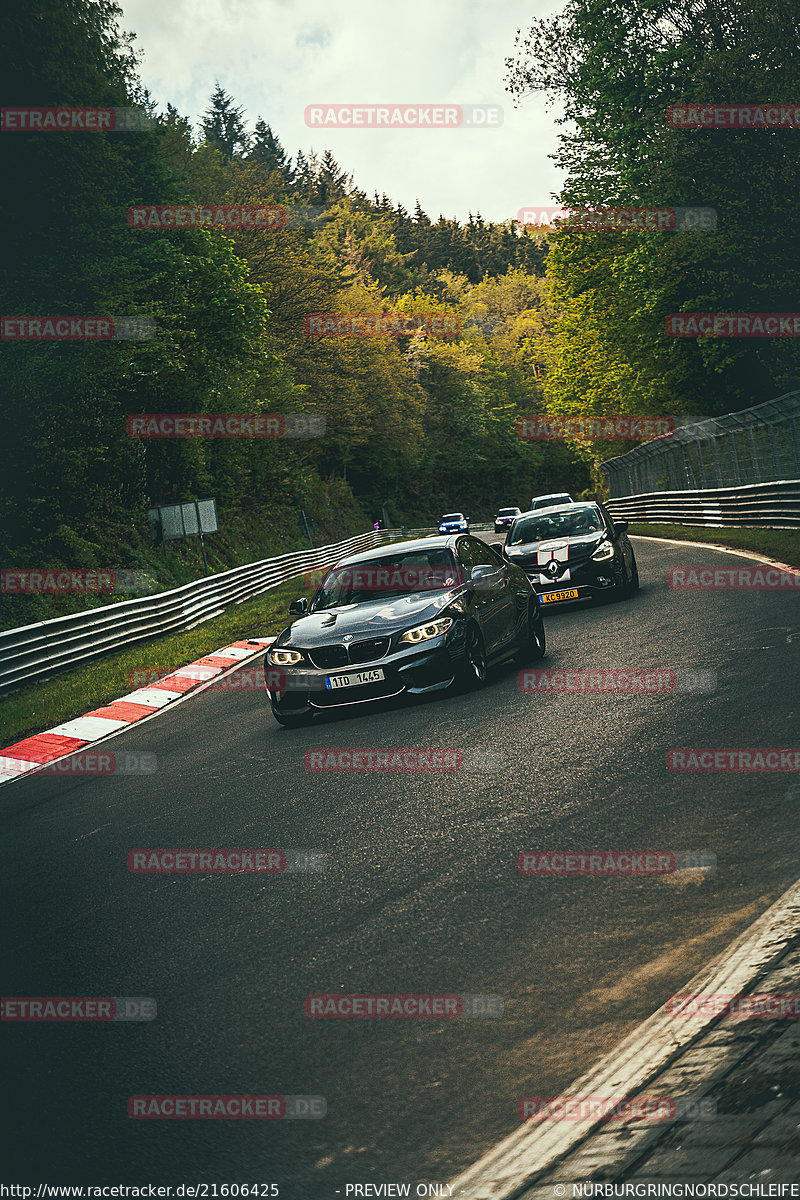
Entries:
{"x":550,"y":597}
{"x":355,"y":679}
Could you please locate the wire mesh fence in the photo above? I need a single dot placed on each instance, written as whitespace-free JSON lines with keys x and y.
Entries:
{"x":757,"y":445}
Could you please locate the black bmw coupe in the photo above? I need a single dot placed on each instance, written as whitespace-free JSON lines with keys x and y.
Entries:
{"x":413,"y":617}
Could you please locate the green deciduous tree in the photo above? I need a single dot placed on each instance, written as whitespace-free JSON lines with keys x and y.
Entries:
{"x":616,"y":68}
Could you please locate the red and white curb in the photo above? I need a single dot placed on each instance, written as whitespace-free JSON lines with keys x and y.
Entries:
{"x":35,"y":752}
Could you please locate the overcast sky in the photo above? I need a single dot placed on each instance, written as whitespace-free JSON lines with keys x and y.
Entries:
{"x":275,"y":57}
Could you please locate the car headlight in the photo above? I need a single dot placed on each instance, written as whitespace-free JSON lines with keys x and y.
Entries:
{"x":283,"y":658}
{"x":424,"y":633}
{"x":604,"y":551}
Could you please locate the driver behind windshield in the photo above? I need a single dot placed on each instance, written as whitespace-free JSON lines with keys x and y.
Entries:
{"x":386,"y":579}
{"x":569,"y":524}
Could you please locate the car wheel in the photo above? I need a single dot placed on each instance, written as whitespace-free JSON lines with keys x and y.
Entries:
{"x":534,"y":642}
{"x":292,"y":720}
{"x":620,"y":590}
{"x":622,"y":586}
{"x":628,"y":584}
{"x":474,"y":671}
{"x":633,"y":584}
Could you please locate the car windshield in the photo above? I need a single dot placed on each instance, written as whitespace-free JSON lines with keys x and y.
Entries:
{"x":546,"y":501}
{"x":387,"y":577}
{"x":453,"y":517}
{"x":508,"y":512}
{"x":571,"y":522}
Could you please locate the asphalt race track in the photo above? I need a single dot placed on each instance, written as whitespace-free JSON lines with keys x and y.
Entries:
{"x":422,"y":894}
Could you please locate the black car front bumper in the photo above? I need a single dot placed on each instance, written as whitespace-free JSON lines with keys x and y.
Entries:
{"x":591,"y":580}
{"x":413,"y":670}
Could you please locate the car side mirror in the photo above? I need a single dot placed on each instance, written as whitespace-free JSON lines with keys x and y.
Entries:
{"x":620,"y":526}
{"x":298,"y":608}
{"x":497,"y":547}
{"x":484,"y":576}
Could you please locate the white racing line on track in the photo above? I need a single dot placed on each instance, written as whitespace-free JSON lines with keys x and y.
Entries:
{"x":646,"y":537}
{"x":513,"y":1165}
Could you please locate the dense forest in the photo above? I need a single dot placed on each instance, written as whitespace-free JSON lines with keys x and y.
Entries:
{"x":549,"y":321}
{"x":617,"y":68}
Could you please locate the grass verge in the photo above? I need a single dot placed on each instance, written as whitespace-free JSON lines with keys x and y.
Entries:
{"x":50,"y":701}
{"x":780,"y":544}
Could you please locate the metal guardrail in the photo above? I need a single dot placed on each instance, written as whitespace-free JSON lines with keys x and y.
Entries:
{"x":31,"y":651}
{"x":771,"y":505}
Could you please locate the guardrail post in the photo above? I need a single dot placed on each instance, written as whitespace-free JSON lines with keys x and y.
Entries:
{"x":688,"y":473}
{"x":754,"y":453}
{"x":698,"y":445}
{"x":717,"y":463}
{"x":737,"y":471}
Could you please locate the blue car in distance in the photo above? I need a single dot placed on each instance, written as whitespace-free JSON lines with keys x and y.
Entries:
{"x":454,"y":523}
